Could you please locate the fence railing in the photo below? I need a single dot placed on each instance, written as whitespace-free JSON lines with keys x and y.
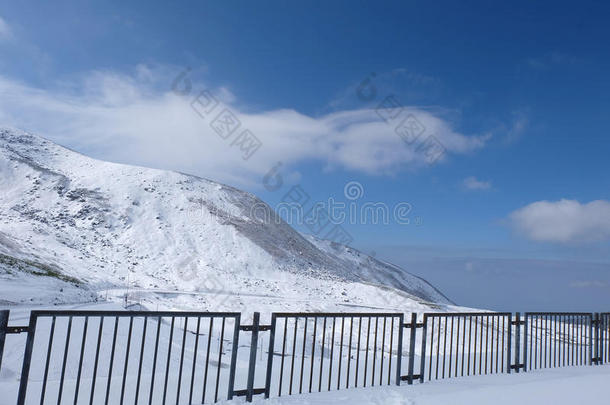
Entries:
{"x":123,"y":357}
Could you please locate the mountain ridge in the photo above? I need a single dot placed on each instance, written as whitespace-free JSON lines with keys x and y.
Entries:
{"x":110,"y":225}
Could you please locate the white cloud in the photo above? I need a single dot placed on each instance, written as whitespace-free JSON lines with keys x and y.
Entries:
{"x":472,"y":183}
{"x":564,"y":221}
{"x":518,"y":126}
{"x":137,"y":119}
{"x":5,"y":30}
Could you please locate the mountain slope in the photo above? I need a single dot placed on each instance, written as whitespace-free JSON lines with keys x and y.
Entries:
{"x":95,"y":226}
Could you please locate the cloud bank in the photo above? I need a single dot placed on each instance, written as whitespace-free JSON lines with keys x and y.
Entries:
{"x":138,"y":119}
{"x":564,"y":221}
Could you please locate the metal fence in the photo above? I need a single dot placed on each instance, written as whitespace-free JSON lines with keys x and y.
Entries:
{"x":122,"y":357}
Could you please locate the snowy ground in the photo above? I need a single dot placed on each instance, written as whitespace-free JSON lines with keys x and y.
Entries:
{"x":573,"y":385}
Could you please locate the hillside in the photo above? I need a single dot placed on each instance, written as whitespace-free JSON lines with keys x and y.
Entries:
{"x":75,"y":229}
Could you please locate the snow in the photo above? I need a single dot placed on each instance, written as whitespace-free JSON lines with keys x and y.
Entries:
{"x":573,"y":385}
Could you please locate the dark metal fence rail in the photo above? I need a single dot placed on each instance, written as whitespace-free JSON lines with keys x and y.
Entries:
{"x":557,"y":339}
{"x":106,"y":357}
{"x":332,"y":351}
{"x":464,"y":344}
{"x":119,"y":357}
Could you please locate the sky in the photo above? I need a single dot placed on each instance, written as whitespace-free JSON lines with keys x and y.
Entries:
{"x":467,"y":142}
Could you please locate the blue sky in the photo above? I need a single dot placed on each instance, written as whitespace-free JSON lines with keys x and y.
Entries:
{"x":516,"y":94}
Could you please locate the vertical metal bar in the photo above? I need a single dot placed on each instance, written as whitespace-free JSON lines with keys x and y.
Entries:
{"x":366,"y":356}
{"x":322,"y":354}
{"x":491,"y":346}
{"x":525,"y":343}
{"x":126,"y":358}
{"x":47,"y":362}
{"x":294,"y":349}
{"x":303,"y":356}
{"x":27,"y":358}
{"x":141,"y":359}
{"x":270,"y":356}
{"x":313,"y":350}
{"x":531,"y":336}
{"x":154,"y":363}
{"x":80,"y":360}
{"x":450,"y":346}
{"x":332,"y":347}
{"x":481,"y":346}
{"x":564,"y":341}
{"x":486,"y":340}
{"x":358,"y":351}
{"x":180,"y":368}
{"x":463,"y":346}
{"x":349,"y":353}
{"x":401,"y":318}
{"x":412,"y":336}
{"x":474,"y":352}
{"x":431,"y":349}
{"x":509,"y":342}
{"x":391,"y":348}
{"x":590,"y":361}
{"x":169,"y":357}
{"x":4,"y":315}
{"x":222,"y":336}
{"x":382,"y":351}
{"x":116,"y":326}
{"x":445,"y":342}
{"x":252,"y":362}
{"x":469,"y":341}
{"x":497,"y":340}
{"x":546,"y":346}
{"x":64,"y":362}
{"x":422,"y":366}
{"x":457,"y":345}
{"x":438,"y":345}
{"x":534,"y":338}
{"x":234,"y":348}
{"x":374,"y":351}
{"x":279,"y":391}
{"x":207,"y":360}
{"x":95,"y":362}
{"x":503,"y":335}
{"x":341,"y":352}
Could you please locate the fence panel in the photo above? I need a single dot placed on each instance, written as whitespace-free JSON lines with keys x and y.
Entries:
{"x":464,"y":344}
{"x":558,"y":339}
{"x":314,"y":352}
{"x":104,"y":357}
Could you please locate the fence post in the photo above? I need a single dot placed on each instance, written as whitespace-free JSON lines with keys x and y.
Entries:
{"x":234,"y":357}
{"x":3,"y":325}
{"x":401,"y":320}
{"x":27,"y":358}
{"x":412,"y":336}
{"x":509,"y":342}
{"x":517,"y":341}
{"x":252,"y":362}
{"x":524,"y":342}
{"x":270,"y":356}
{"x":423,"y":349}
{"x":597,"y":338}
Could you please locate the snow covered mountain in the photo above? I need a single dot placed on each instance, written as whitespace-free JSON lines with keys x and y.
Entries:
{"x":75,"y":229}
